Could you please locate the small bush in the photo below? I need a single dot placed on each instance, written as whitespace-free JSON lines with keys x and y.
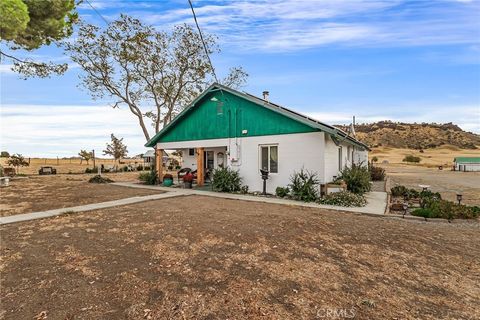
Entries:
{"x":344,"y":199}
{"x":411,"y":158}
{"x":427,"y":194}
{"x":91,"y":170}
{"x":304,"y":186}
{"x":449,"y":210}
{"x":398,"y":191}
{"x":425,"y":213}
{"x":100,"y":179}
{"x":139,"y":167}
{"x":357,"y":178}
{"x":226,"y":180}
{"x":149,"y":177}
{"x":282,"y":192}
{"x":377,"y":173}
{"x":244,"y":189}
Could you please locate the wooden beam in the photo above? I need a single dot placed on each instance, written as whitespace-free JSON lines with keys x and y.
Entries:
{"x":159,"y":164}
{"x":200,"y":167}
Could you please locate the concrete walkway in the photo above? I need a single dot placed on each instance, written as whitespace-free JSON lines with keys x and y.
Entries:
{"x":87,"y":207}
{"x":376,"y":201}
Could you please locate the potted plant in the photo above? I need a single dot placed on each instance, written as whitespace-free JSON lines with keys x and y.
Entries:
{"x":187,"y":180}
{"x":167,"y":180}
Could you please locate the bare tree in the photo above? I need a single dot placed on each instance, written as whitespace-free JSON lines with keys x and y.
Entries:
{"x":116,"y":149}
{"x":85,"y":155}
{"x":136,"y":65}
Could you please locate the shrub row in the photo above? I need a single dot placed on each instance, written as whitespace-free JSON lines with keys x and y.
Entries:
{"x":344,"y":199}
{"x":446,"y":210}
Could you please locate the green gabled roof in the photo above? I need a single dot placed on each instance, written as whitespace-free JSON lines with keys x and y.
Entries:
{"x":467,"y":159}
{"x":336,"y":133}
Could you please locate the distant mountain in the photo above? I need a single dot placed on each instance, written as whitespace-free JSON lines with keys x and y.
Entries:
{"x":414,"y":135}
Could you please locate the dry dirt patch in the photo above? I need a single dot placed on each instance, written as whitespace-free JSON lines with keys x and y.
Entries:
{"x":38,"y":193}
{"x":208,"y":258}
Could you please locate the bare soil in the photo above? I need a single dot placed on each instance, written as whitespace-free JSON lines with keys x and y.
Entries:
{"x":38,"y":193}
{"x":447,"y":182}
{"x":208,"y":258}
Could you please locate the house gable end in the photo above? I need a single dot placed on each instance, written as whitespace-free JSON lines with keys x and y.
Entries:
{"x":220,"y":114}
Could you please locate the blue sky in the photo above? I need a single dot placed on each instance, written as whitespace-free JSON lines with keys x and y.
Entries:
{"x":331,"y":59}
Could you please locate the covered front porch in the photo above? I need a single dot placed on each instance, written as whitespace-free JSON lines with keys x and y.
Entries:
{"x":202,"y":159}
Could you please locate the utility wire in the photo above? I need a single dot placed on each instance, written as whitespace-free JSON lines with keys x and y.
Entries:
{"x":96,"y":11}
{"x":203,"y":41}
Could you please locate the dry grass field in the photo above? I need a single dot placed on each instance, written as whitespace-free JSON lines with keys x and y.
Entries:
{"x":68,"y":165}
{"x":38,"y":193}
{"x":209,"y":258}
{"x":430,"y":157}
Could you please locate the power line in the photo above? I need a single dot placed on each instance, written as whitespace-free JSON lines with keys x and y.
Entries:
{"x":96,"y":11}
{"x":203,"y":41}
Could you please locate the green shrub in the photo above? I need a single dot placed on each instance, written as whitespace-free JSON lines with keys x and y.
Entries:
{"x":411,"y":158}
{"x":426,"y":213}
{"x":125,"y":168}
{"x":398,"y":191}
{"x":304,"y":186}
{"x":377,"y":173}
{"x":282,"y":192}
{"x":450,"y":210}
{"x":139,"y":167}
{"x":91,"y":170}
{"x":357,"y":178}
{"x":344,"y":199}
{"x":149,"y":177}
{"x":100,"y":179}
{"x":427,"y":194}
{"x":226,"y":180}
{"x":244,"y":189}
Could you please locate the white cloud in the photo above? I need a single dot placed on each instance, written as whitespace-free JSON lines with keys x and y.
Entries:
{"x":287,"y":25}
{"x":42,"y":130}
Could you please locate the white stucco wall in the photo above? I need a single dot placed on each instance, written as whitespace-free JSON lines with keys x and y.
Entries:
{"x":313,"y":151}
{"x":295,"y":151}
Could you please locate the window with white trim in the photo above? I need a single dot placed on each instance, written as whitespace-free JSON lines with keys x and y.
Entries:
{"x":269,"y":158}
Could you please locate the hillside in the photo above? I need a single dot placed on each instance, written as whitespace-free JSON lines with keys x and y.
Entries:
{"x":414,"y":135}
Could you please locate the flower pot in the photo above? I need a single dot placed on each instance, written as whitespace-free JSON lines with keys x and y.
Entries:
{"x":188,"y":184}
{"x":167,"y":182}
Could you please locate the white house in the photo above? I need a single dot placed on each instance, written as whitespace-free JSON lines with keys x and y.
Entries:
{"x":466,"y":164}
{"x":224,"y":127}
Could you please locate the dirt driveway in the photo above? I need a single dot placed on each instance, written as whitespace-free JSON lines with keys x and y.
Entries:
{"x":208,"y":258}
{"x":447,"y":182}
{"x":38,"y":193}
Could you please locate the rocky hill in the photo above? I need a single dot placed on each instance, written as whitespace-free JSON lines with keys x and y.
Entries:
{"x":414,"y":135}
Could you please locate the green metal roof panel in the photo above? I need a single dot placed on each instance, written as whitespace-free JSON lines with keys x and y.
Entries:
{"x":467,"y":159}
{"x":240,"y":111}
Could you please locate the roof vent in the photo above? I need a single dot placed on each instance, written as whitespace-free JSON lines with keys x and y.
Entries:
{"x":265,"y":95}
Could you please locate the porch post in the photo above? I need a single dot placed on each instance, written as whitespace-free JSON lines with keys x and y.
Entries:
{"x":200,"y":167}
{"x":159,"y":163}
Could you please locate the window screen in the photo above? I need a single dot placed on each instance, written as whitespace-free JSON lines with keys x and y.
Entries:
{"x":191,"y":152}
{"x":264,"y":160}
{"x":273,"y":159}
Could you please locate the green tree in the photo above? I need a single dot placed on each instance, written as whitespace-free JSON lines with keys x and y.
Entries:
{"x":17,"y":161}
{"x":31,"y":24}
{"x":85,"y":155}
{"x":4,"y":154}
{"x":116,"y":148}
{"x":134,"y":64}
